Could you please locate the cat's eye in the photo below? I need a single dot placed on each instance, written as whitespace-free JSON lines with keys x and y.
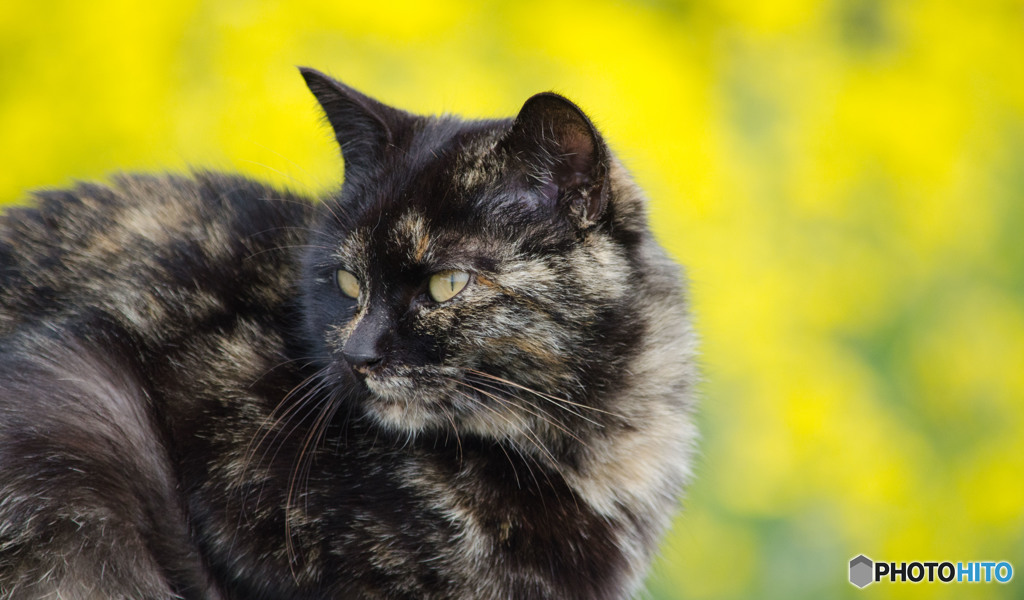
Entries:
{"x":445,"y":285}
{"x":348,"y":283}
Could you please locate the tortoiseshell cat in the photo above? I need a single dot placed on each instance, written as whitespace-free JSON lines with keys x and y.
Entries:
{"x":469,"y":374}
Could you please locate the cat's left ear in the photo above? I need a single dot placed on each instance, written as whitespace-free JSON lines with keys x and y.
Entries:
{"x":364,"y":127}
{"x":563,"y":155}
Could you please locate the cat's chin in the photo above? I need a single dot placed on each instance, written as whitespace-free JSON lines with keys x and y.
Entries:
{"x":408,"y":404}
{"x":398,"y":404}
{"x":404,"y":405}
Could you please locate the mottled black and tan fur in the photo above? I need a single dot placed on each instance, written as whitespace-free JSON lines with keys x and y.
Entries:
{"x":190,"y":408}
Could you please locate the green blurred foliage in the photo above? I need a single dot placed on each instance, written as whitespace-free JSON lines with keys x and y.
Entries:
{"x":844,"y":180}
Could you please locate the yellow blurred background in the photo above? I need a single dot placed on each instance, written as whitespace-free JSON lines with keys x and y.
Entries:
{"x":844,"y":180}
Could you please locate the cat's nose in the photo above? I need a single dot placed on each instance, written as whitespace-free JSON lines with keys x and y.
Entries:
{"x":362,"y":361}
{"x":363,"y":350}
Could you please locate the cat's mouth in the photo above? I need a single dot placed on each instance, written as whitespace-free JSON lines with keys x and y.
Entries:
{"x":390,"y":384}
{"x":407,"y":398}
{"x":401,"y":381}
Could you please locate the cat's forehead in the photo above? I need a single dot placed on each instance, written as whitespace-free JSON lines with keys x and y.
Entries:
{"x":440,"y":163}
{"x":411,"y":239}
{"x":431,"y":198}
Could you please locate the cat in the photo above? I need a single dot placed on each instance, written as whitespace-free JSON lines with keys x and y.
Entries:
{"x":470,"y":373}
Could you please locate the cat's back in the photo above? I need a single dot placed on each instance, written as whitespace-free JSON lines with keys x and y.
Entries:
{"x":148,"y":251}
{"x":97,"y":284}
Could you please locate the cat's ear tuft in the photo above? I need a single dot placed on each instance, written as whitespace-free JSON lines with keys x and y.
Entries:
{"x":564,"y":156}
{"x":363,"y":126}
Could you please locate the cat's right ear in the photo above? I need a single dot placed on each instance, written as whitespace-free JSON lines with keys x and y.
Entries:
{"x":363,"y":127}
{"x":563,"y":155}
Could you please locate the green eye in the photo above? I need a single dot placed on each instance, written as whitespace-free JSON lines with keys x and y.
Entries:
{"x":348,"y":283}
{"x":446,"y":284}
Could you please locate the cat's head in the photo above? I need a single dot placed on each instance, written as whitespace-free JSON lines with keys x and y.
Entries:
{"x":481,"y":276}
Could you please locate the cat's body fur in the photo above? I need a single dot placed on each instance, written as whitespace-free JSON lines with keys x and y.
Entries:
{"x":177,"y":420}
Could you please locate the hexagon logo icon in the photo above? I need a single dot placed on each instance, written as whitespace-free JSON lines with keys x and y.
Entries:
{"x":861,"y":569}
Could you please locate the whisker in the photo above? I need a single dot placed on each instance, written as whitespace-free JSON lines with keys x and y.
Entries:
{"x":283,"y":157}
{"x":290,"y":227}
{"x":314,"y":437}
{"x":543,"y":395}
{"x":514,"y":447}
{"x":455,"y":428}
{"x":293,"y":179}
{"x":286,"y":247}
{"x":496,"y":387}
{"x":287,"y":433}
{"x":276,"y":422}
{"x":303,"y":466}
{"x":547,"y":418}
{"x":310,"y":360}
{"x":531,"y":436}
{"x":327,"y":204}
{"x":268,"y":426}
